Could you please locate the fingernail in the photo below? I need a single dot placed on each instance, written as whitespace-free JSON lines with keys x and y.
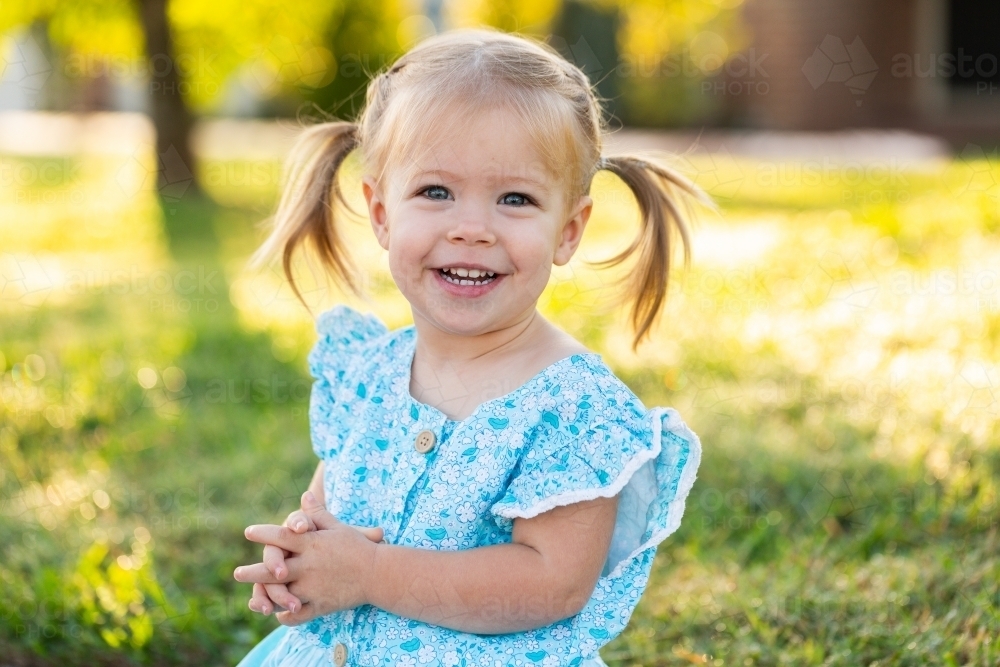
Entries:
{"x":294,"y":607}
{"x":267,"y":610}
{"x":237,"y":572}
{"x":310,"y":497}
{"x":300,"y":525}
{"x":279,"y":572}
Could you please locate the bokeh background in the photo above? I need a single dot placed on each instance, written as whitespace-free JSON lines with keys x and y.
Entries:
{"x":835,"y":342}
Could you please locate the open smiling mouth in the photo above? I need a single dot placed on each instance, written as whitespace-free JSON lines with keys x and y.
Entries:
{"x":467,"y":276}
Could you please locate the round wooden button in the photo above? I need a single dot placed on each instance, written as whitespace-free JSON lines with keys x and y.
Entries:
{"x":425,"y":441}
{"x":339,"y":655}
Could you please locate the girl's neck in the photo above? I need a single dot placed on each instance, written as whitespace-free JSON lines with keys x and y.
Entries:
{"x":433,"y":344}
{"x":455,"y":374}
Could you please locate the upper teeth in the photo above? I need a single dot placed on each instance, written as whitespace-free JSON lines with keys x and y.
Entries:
{"x":470,"y":273}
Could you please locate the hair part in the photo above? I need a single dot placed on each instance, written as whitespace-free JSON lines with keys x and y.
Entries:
{"x":462,"y":73}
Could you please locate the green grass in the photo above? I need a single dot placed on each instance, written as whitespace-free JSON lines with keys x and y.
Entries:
{"x":835,"y":346}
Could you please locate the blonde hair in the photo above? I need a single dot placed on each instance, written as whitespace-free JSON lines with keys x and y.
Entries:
{"x":470,"y":70}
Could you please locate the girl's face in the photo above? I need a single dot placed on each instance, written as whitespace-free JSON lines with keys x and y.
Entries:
{"x":473,"y":230}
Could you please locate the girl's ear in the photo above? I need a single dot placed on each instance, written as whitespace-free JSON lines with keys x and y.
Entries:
{"x":377,"y":212}
{"x":572,"y":231}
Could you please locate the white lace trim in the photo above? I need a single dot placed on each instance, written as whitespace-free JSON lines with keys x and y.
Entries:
{"x":675,"y":509}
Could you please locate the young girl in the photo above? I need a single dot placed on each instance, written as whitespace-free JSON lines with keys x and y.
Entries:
{"x":488,"y":492}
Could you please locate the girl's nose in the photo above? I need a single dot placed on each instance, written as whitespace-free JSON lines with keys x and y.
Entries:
{"x":472,"y":228}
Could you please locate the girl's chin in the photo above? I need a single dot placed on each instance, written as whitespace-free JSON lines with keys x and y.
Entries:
{"x":466,"y":319}
{"x":461,"y":322}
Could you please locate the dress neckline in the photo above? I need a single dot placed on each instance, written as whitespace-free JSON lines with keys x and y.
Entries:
{"x":406,"y":370}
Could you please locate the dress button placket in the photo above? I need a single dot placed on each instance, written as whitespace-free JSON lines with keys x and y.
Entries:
{"x":425,"y":441}
{"x":339,"y":655}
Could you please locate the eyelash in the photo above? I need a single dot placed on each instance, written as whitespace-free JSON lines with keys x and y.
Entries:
{"x":528,"y":200}
{"x":424,"y":191}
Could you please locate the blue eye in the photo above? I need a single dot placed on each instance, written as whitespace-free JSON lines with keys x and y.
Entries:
{"x":436,"y":192}
{"x":515,"y":199}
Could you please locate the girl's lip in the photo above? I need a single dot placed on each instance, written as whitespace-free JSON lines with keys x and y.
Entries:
{"x":467,"y":291}
{"x":465,"y":265}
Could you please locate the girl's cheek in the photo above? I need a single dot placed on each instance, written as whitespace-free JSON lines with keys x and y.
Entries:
{"x":404,"y":245}
{"x":532,"y":250}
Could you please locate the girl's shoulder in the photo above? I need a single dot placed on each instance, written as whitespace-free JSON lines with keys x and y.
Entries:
{"x":583,"y":434}
{"x":343,"y":327}
{"x":583,"y":386}
{"x":344,"y":336}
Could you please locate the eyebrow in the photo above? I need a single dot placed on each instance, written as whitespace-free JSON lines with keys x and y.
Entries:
{"x":510,"y":179}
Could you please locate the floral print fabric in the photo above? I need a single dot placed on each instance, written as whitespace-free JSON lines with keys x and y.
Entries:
{"x":574,"y":432}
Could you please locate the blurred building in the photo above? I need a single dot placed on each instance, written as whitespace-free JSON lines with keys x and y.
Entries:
{"x":928,"y":65}
{"x":924,"y":65}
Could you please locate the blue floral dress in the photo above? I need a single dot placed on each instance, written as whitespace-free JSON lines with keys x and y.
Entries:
{"x":574,"y":432}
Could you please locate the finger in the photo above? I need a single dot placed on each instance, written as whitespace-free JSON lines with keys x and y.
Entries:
{"x":259,"y":601}
{"x":281,"y":536}
{"x":300,"y":522}
{"x":304,"y":614}
{"x":321,"y":518}
{"x":373,"y":534}
{"x":279,"y":593}
{"x":257,"y":574}
{"x":274,"y":561}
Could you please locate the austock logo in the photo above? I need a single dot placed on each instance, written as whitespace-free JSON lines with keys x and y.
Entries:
{"x":836,"y":62}
{"x":24,"y":67}
{"x":278,"y":496}
{"x":23,"y":280}
{"x":172,"y":178}
{"x":165,"y":392}
{"x":839,"y":501}
{"x":982,"y":169}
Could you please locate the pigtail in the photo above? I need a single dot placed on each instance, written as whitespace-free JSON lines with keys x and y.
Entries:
{"x":305,"y":213}
{"x":658,"y":191}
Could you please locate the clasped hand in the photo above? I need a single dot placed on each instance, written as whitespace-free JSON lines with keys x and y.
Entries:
{"x":312,"y":565}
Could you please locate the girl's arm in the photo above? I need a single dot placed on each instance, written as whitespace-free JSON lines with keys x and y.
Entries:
{"x":547,"y":573}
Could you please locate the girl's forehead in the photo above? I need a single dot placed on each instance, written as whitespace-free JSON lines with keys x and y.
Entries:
{"x":491,"y":146}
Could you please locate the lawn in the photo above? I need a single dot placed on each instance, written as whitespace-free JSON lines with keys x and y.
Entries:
{"x":835,"y":344}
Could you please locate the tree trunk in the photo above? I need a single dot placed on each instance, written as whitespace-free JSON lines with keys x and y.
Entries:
{"x":171,"y":117}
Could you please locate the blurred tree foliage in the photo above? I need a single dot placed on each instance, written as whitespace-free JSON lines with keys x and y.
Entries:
{"x":364,"y":37}
{"x":532,"y":17}
{"x":649,"y":57}
{"x":98,"y":28}
{"x":270,"y":47}
{"x":586,"y":35}
{"x":671,"y":52}
{"x":659,"y":68}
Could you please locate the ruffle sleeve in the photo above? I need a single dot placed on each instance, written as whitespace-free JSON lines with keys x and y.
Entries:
{"x":343,"y":334}
{"x":650,"y":463}
{"x":652,"y":501}
{"x":562,"y":468}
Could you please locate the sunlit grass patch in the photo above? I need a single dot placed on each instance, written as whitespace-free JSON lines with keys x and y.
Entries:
{"x":835,"y":345}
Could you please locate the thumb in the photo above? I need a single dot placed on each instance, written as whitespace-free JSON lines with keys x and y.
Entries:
{"x":321,"y":518}
{"x":373,"y":534}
